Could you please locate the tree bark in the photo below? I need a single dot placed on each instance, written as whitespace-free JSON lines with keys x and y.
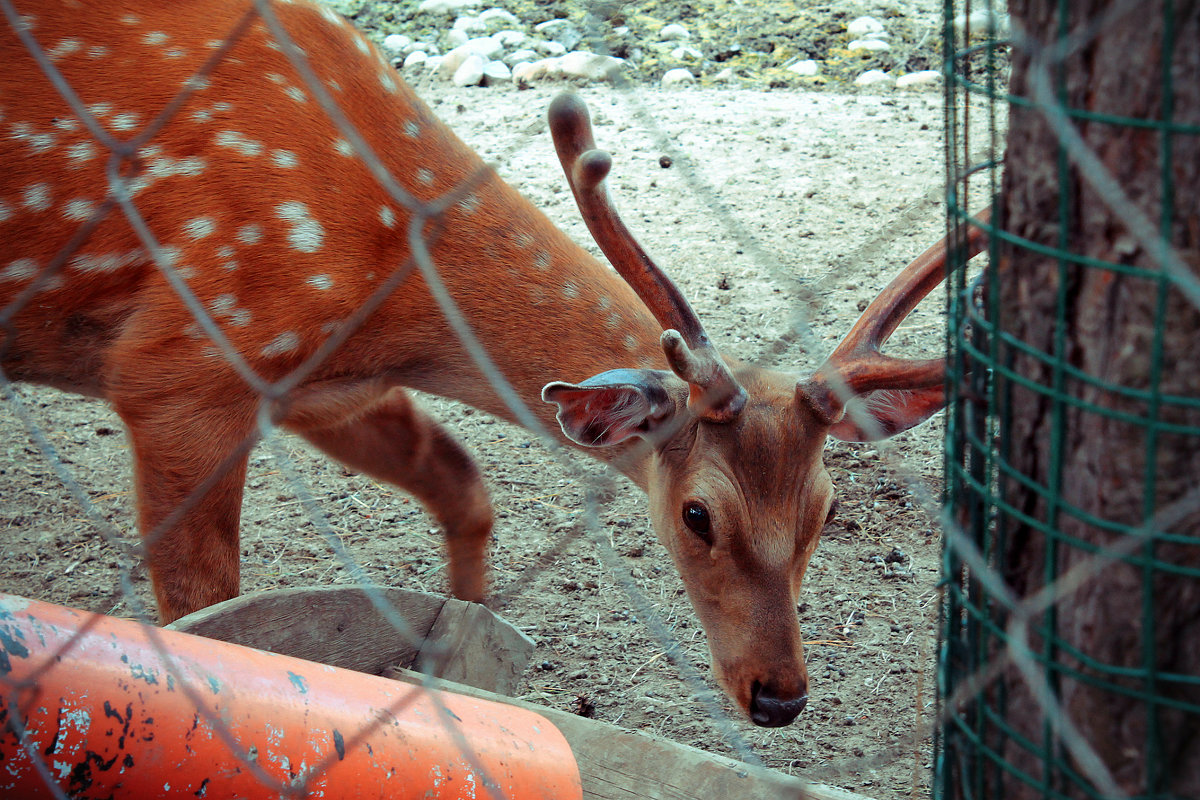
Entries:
{"x":1085,"y":461}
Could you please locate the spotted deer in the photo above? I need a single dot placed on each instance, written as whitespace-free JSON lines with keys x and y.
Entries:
{"x":187,"y":232}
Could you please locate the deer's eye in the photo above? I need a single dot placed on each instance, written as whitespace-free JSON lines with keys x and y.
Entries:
{"x":695,"y":516}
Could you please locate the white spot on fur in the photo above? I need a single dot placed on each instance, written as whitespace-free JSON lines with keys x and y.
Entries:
{"x":284,"y":159}
{"x":200,"y":227}
{"x":222,"y":305}
{"x":79,"y":209}
{"x":106,"y":262}
{"x":154,"y":38}
{"x":250,"y":234}
{"x":64,"y":48}
{"x":68,"y":124}
{"x":604,"y":303}
{"x":630,"y":343}
{"x":174,"y":52}
{"x":425,"y":176}
{"x":284,"y":343}
{"x":20,"y":270}
{"x":197,"y":83}
{"x":97,"y":51}
{"x":570,"y":291}
{"x":36,"y":197}
{"x":5,"y":211}
{"x":124,"y":122}
{"x":388,"y":82}
{"x":469,"y":204}
{"x":194,"y":165}
{"x":541,"y":260}
{"x":275,"y":77}
{"x":296,"y":93}
{"x":524,"y":240}
{"x":613,"y":321}
{"x":236,"y":141}
{"x":80,"y":152}
{"x":343,"y":147}
{"x":130,"y":19}
{"x":306,"y":234}
{"x":100,"y":109}
{"x":387,"y":216}
{"x":411,"y":129}
{"x":322,"y":282}
{"x":38,"y":142}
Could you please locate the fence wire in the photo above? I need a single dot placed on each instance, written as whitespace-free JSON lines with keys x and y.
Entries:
{"x":587,"y":527}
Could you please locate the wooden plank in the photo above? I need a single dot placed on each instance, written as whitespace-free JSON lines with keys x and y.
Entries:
{"x":470,"y":644}
{"x":616,"y":764}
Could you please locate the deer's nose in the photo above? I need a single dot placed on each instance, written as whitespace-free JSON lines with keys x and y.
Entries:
{"x":769,"y":711}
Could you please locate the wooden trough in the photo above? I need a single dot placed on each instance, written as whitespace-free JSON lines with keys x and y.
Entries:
{"x":475,"y":653}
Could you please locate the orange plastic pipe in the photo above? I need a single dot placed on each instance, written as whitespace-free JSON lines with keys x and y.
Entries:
{"x":104,"y":707}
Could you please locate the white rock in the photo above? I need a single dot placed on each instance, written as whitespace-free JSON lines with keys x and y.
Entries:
{"x":864,"y":26}
{"x":806,"y":68}
{"x":496,"y":72}
{"x":472,"y":25}
{"x":433,"y":64}
{"x":552,"y":49}
{"x":510,"y":38}
{"x":459,"y":55}
{"x":424,"y":47}
{"x":499,"y":16}
{"x":470,"y":72}
{"x":576,"y":64}
{"x":457,"y":38}
{"x":725,"y":76}
{"x":873,"y":77}
{"x":487,"y":46}
{"x":593,"y":66}
{"x":979,"y":22}
{"x":868,"y":44}
{"x":446,"y":6}
{"x":415,"y":58}
{"x":925,"y":77}
{"x":673,"y":33}
{"x":674,"y":78}
{"x":686,"y":54}
{"x":396,"y":43}
{"x":525,"y":72}
{"x":517,"y":56}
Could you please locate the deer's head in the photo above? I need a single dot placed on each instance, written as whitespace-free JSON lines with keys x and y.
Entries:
{"x":738,"y":489}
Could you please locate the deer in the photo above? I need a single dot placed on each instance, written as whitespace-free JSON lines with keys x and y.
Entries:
{"x":217,"y":210}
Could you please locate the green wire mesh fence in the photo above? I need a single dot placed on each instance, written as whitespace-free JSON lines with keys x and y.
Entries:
{"x":1070,"y":646}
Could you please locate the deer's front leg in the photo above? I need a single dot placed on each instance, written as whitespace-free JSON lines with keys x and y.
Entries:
{"x":384,"y":434}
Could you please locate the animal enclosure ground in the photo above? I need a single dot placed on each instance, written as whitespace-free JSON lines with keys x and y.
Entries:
{"x":772,"y":197}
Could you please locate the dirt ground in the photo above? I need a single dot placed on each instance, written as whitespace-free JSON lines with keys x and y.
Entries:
{"x":777,"y":206}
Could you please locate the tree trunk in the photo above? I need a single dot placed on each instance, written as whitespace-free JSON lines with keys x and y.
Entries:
{"x":1097,"y":474}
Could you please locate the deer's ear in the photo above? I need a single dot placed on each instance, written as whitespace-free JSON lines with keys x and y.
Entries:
{"x":613,"y":406}
{"x":886,"y":412}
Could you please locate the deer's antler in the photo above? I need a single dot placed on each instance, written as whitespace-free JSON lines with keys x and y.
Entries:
{"x":857,"y":366}
{"x":715,"y":393}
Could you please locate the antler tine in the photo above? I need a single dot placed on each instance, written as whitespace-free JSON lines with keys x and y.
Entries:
{"x":856,"y":366}
{"x":715,"y":393}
